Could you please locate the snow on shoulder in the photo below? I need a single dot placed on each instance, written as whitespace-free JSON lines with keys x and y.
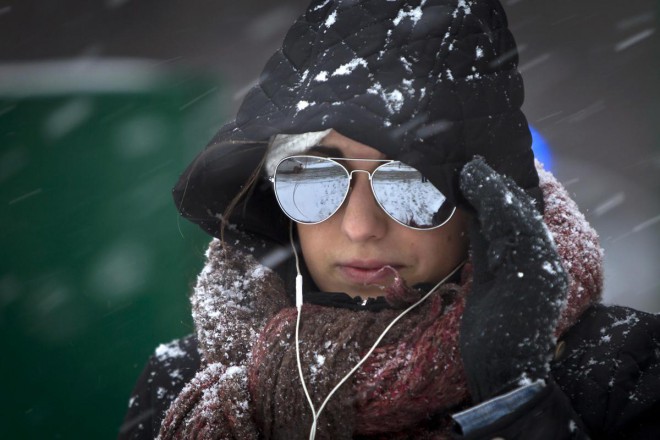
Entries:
{"x":225,"y":301}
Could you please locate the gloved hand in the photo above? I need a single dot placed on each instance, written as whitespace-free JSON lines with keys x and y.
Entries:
{"x":519,"y":286}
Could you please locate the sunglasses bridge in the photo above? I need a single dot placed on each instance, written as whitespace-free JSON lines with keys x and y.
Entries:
{"x":369,"y":173}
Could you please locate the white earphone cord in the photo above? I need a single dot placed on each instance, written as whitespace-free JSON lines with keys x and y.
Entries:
{"x":316,"y":414}
{"x":299,"y":302}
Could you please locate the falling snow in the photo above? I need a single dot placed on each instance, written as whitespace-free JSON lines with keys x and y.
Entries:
{"x":118,"y":270}
{"x":633,"y":40}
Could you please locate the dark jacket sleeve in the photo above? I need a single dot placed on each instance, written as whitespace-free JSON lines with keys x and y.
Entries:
{"x":610,"y":371}
{"x":166,"y":373}
{"x":605,"y":383}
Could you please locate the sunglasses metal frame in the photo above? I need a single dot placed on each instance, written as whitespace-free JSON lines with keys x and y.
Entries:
{"x":349,"y":175}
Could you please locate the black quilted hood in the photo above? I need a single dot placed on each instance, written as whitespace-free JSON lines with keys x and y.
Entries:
{"x":429,"y":82}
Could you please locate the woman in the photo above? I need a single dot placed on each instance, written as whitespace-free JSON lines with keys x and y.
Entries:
{"x":374,"y":273}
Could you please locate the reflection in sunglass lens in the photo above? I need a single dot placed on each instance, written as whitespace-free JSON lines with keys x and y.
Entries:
{"x":310,"y":189}
{"x":408,"y":197}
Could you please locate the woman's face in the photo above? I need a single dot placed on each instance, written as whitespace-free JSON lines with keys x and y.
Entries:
{"x":345,"y":251}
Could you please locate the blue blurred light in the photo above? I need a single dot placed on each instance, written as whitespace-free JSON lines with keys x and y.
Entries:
{"x":541,"y":149}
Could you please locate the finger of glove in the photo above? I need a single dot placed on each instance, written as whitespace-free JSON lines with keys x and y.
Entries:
{"x":502,"y":207}
{"x":516,"y":235}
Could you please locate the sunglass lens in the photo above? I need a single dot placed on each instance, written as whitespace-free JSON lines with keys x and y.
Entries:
{"x":409,"y":198}
{"x":310,"y":189}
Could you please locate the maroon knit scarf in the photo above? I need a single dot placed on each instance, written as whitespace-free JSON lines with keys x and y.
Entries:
{"x":248,"y":385}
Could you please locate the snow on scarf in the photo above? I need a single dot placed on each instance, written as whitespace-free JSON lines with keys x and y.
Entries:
{"x":248,"y":385}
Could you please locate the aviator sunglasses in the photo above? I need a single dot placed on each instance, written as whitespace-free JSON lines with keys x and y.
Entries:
{"x":310,"y":189}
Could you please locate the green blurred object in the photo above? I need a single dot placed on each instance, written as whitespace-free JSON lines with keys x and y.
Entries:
{"x":96,"y":264}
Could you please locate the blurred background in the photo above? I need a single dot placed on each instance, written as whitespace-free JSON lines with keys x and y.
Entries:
{"x":103,"y":103}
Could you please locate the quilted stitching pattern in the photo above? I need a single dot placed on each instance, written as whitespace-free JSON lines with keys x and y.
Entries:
{"x":428,"y":82}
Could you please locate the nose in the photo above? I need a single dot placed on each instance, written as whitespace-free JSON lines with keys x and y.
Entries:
{"x":362,"y":218}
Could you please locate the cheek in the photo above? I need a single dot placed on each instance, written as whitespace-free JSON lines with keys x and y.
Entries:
{"x":314,"y":240}
{"x":439,"y":252}
{"x":432,"y":249}
{"x":319,"y":243}
{"x":308,"y":239}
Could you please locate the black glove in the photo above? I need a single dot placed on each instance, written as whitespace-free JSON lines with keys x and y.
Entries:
{"x":507,"y":329}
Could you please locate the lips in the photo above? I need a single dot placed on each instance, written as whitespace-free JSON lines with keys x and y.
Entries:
{"x":368,"y":272}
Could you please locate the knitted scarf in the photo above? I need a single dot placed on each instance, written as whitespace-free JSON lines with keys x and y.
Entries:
{"x":248,"y":385}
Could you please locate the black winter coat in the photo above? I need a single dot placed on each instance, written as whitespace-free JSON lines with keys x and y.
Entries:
{"x":606,"y":375}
